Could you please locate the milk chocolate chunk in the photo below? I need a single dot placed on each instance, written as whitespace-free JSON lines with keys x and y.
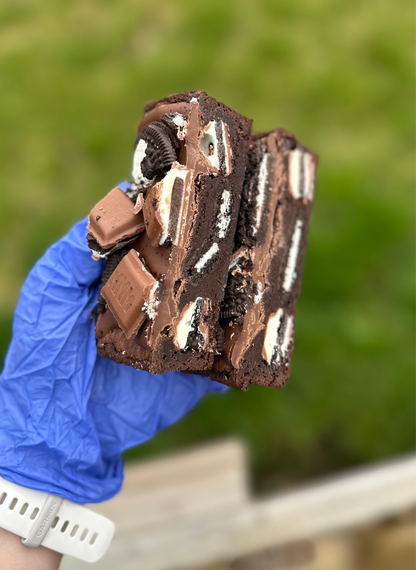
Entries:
{"x":258,"y":311}
{"x":189,"y":163}
{"x":113,"y":220}
{"x":127,"y":291}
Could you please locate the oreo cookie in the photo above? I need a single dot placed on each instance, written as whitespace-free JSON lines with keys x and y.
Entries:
{"x":238,"y":297}
{"x":156,"y":153}
{"x":220,"y":338}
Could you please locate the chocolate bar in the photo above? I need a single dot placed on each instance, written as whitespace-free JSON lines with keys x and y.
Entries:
{"x":130,"y":287}
{"x":177,"y":221}
{"x":113,"y":223}
{"x":265,"y":270}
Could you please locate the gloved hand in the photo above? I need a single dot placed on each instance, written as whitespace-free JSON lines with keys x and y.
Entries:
{"x":66,"y":414}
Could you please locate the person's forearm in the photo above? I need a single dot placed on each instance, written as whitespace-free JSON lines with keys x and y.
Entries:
{"x":16,"y":556}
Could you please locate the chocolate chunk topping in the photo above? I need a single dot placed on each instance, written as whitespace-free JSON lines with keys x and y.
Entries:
{"x":113,"y":220}
{"x":111,"y":263}
{"x":126,"y":292}
{"x":161,"y":150}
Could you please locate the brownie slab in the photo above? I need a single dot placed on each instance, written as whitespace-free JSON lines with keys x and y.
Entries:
{"x":265,"y":271}
{"x":188,"y":170}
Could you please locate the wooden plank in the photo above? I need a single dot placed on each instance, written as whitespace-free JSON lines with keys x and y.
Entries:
{"x":207,"y":536}
{"x":175,"y":489}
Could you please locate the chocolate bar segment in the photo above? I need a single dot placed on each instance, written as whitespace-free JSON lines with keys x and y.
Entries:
{"x":129,"y":289}
{"x":190,"y":212}
{"x":113,"y":220}
{"x":258,"y":311}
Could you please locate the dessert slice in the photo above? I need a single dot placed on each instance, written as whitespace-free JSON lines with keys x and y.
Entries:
{"x":179,"y":217}
{"x":265,"y":271}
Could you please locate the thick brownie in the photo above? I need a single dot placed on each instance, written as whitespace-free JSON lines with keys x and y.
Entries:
{"x":177,"y":230}
{"x":258,"y":312}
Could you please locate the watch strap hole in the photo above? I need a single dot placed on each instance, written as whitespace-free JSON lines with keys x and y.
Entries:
{"x":74,"y":530}
{"x":24,"y":508}
{"x":84,"y":534}
{"x":34,"y":514}
{"x":13,"y":503}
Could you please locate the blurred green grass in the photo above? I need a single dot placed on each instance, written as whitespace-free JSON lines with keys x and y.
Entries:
{"x":74,"y":77}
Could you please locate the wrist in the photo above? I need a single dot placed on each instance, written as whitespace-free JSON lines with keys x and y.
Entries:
{"x":16,"y":556}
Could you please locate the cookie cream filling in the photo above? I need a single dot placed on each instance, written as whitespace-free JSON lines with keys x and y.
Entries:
{"x":215,"y":145}
{"x":271,"y":335}
{"x":187,"y":322}
{"x":237,"y":257}
{"x":290,"y":271}
{"x":308,"y":176}
{"x":138,"y":157}
{"x":224,"y":216}
{"x":288,"y":336}
{"x":259,"y":293}
{"x":177,"y":171}
{"x":261,"y":191}
{"x":301,"y":174}
{"x":150,"y":306}
{"x":209,"y":144}
{"x":227,"y":147}
{"x":274,"y":348}
{"x":180,"y":121}
{"x":213,"y":250}
{"x":295,"y":165}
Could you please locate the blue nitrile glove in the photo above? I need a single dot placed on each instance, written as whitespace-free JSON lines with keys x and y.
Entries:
{"x":66,"y":414}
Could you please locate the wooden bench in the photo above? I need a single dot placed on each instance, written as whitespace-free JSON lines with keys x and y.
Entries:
{"x":194,"y":509}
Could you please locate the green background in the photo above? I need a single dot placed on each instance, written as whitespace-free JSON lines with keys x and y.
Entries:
{"x":74,"y":78}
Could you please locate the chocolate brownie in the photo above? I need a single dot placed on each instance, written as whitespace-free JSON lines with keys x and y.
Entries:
{"x":265,"y":271}
{"x":175,"y":226}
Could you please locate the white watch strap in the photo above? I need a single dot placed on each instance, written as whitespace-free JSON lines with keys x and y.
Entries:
{"x":54,"y":522}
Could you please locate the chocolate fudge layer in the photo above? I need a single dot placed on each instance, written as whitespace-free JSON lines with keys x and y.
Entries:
{"x":258,"y":312}
{"x":188,"y":170}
